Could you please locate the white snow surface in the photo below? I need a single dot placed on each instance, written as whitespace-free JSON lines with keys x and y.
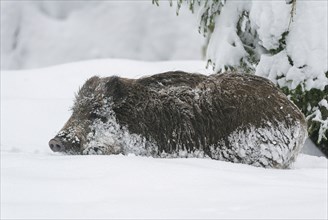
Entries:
{"x":39,"y":184}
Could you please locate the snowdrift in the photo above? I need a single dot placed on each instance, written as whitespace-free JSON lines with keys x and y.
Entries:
{"x":39,"y":184}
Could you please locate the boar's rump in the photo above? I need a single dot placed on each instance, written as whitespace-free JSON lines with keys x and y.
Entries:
{"x":231,"y":117}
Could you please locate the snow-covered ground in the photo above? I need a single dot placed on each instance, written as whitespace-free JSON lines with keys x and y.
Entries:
{"x":37,"y":183}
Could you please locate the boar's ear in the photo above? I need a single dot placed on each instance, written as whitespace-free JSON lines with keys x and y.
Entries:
{"x":92,"y":82}
{"x":89,"y":86}
{"x":116,"y":87}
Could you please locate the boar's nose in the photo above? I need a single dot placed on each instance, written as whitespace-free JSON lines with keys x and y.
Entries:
{"x":56,"y":145}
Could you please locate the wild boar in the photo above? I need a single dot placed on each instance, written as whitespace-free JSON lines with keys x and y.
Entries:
{"x":232,"y":117}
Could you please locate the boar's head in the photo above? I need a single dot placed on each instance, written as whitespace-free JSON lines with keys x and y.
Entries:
{"x":92,"y":128}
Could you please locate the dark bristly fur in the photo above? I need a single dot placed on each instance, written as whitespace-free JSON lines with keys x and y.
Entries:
{"x":178,"y":111}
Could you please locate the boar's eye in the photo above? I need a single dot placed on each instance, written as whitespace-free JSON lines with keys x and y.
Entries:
{"x":94,"y":116}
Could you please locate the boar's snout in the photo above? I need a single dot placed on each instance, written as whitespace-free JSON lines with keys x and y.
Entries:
{"x":56,"y":145}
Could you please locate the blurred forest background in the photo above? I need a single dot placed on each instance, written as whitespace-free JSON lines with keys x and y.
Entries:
{"x":41,"y":33}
